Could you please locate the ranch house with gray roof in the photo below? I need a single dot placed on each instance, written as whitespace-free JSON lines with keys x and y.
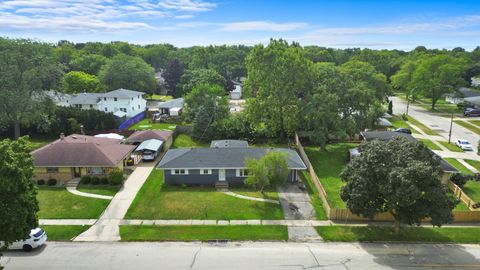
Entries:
{"x":214,"y":166}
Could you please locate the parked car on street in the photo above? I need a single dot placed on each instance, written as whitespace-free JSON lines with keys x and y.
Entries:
{"x":471,"y":112}
{"x":403,"y":130}
{"x":464,"y":145}
{"x":37,"y":238}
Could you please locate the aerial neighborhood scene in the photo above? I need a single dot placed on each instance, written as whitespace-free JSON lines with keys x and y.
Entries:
{"x":205,"y":134}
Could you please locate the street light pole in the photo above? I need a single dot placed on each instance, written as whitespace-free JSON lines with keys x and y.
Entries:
{"x":450,"y":132}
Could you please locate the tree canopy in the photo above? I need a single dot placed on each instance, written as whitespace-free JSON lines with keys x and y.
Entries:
{"x":194,"y":77}
{"x":129,"y":72}
{"x":398,"y":177}
{"x":172,"y":75}
{"x":79,"y":82}
{"x":89,"y":63}
{"x":271,"y":169}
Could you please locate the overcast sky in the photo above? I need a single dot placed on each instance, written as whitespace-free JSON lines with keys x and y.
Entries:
{"x":340,"y":24}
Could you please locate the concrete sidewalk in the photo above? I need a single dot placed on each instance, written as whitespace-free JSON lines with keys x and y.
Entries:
{"x":106,"y":228}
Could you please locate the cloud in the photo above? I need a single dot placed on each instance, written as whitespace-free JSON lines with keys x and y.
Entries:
{"x":187,"y":5}
{"x":93,"y":15}
{"x":263,"y":26}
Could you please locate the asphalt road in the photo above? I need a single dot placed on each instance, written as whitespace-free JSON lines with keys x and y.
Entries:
{"x":117,"y":255}
{"x":437,"y":123}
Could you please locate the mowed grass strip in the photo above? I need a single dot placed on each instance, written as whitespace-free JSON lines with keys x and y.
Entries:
{"x":58,"y":203}
{"x":100,"y":190}
{"x":398,"y":122}
{"x":472,"y":189}
{"x":204,"y":233}
{"x":410,"y":234}
{"x":428,"y":143}
{"x":186,"y":141}
{"x":147,"y":124}
{"x":421,"y":126}
{"x":63,"y":232}
{"x":156,"y":201}
{"x":468,"y":126}
{"x":328,"y":165}
{"x":474,"y":163}
{"x":457,"y":165}
{"x":450,"y":146}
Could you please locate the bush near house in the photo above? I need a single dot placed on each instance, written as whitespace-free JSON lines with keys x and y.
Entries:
{"x":52,"y":182}
{"x":115,"y":178}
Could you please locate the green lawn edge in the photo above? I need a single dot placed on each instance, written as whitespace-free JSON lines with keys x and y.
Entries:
{"x":409,"y":234}
{"x":421,"y":126}
{"x":450,"y":146}
{"x":204,"y":233}
{"x":428,"y":143}
{"x":314,"y":196}
{"x":468,"y":126}
{"x":457,"y":165}
{"x":63,"y":232}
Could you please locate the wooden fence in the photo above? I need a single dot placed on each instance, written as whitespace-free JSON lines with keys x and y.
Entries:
{"x":345,"y":214}
{"x":461,"y":195}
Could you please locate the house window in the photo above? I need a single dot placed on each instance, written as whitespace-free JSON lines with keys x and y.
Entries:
{"x":91,"y":106}
{"x":205,"y":171}
{"x":78,"y":106}
{"x":115,"y":99}
{"x":104,"y":99}
{"x":133,"y":108}
{"x":139,"y":106}
{"x":106,"y":109}
{"x":179,"y":172}
{"x":242,"y":173}
{"x":96,"y":170}
{"x":52,"y":170}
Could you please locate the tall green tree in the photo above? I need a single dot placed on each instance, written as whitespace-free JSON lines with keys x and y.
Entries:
{"x":438,"y":75}
{"x":89,"y":63}
{"x":130,"y":72}
{"x":27,"y":67}
{"x":279,"y":76}
{"x":402,"y":80}
{"x":18,"y":201}
{"x":194,"y":77}
{"x":271,"y":169}
{"x":172,"y":75}
{"x":79,"y":82}
{"x":398,"y":177}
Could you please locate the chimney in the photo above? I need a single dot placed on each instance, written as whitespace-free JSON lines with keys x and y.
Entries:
{"x":81,"y":130}
{"x":62,"y":136}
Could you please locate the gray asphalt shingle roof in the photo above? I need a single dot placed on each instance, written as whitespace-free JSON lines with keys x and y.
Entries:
{"x":173,"y":103}
{"x":228,"y":144}
{"x":122,"y":93}
{"x":232,"y":158}
{"x":85,"y":98}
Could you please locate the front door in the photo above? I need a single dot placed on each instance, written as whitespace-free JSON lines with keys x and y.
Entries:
{"x":77,"y":172}
{"x":221,"y":175}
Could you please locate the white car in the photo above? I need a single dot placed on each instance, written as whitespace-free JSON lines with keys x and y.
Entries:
{"x":149,"y":155}
{"x":36,"y":239}
{"x":464,"y":145}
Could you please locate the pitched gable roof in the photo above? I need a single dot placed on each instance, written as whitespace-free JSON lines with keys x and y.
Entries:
{"x":81,"y":151}
{"x":143,"y":135}
{"x":173,"y":103}
{"x":85,"y":98}
{"x":122,"y":93}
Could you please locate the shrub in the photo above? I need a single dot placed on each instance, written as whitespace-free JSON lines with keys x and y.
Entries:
{"x":86,"y":179}
{"x":95,"y":180}
{"x":104,"y":181}
{"x":404,"y":117}
{"x":115,"y":177}
{"x":52,"y":182}
{"x":40,"y":182}
{"x":460,"y":179}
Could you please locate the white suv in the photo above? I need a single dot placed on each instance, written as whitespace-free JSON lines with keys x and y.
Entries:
{"x":36,"y":239}
{"x":464,"y":145}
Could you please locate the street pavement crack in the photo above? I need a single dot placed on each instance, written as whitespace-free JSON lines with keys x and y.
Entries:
{"x":195,"y":257}
{"x":313,"y":255}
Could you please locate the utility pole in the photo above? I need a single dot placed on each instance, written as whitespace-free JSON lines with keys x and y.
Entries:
{"x":408,"y":104}
{"x":450,"y":132}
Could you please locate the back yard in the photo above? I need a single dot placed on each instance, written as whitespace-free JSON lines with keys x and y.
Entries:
{"x":158,"y":201}
{"x":147,"y":124}
{"x":328,"y":165}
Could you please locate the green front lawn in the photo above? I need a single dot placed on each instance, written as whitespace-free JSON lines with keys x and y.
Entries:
{"x":58,"y":203}
{"x":468,"y":126}
{"x":474,"y":163}
{"x":457,"y":165}
{"x":204,"y":233}
{"x":430,"y":144}
{"x":186,"y":141}
{"x":100,"y":190}
{"x":410,"y":234}
{"x":472,"y":189}
{"x":450,"y":146}
{"x":328,"y":165}
{"x":147,"y":124}
{"x":314,"y":196}
{"x":63,"y":232}
{"x":421,"y":126}
{"x":398,"y":122}
{"x":156,"y":201}
{"x":475,"y":122}
{"x":269,"y":193}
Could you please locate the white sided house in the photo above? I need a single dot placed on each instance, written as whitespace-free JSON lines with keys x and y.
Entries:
{"x":120,"y":102}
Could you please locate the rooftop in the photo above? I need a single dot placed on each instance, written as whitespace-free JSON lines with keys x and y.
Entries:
{"x":228,"y":144}
{"x":173,"y":103}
